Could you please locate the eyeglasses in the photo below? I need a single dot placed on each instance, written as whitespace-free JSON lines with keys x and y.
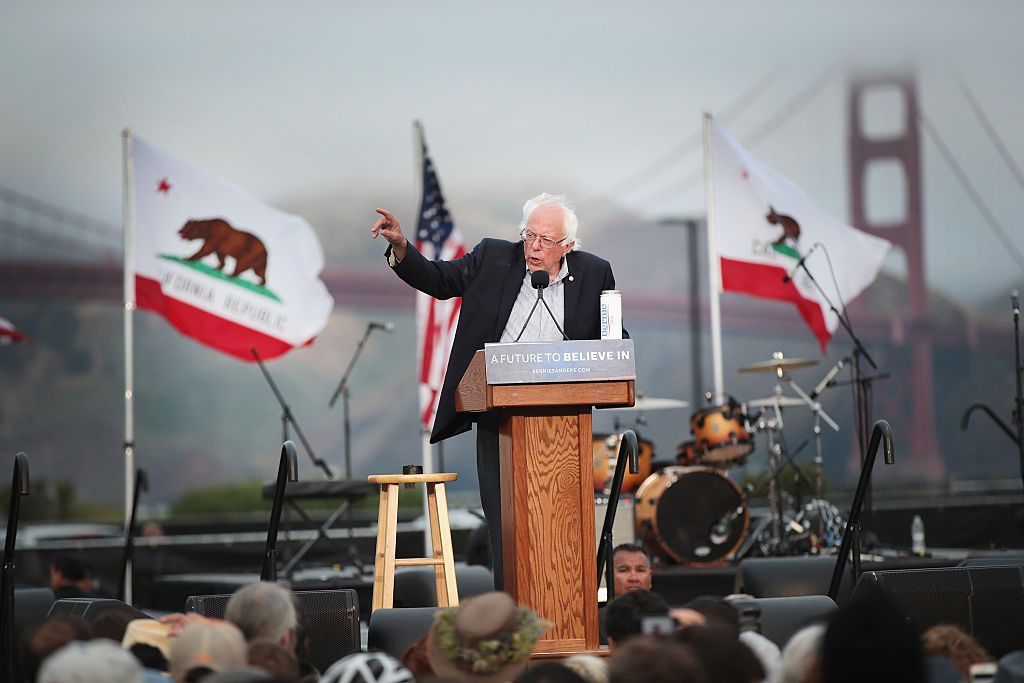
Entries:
{"x":546,"y":243}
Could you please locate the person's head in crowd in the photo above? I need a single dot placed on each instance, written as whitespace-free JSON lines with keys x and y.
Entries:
{"x":275,"y":659}
{"x":724,"y":658}
{"x":549,"y":672}
{"x":71,"y":577}
{"x":485,"y":638}
{"x":50,"y":636}
{"x":870,"y":639}
{"x":367,"y":667}
{"x":112,"y":624}
{"x":150,"y":641}
{"x":264,"y":611}
{"x":149,"y":656}
{"x":203,"y":647}
{"x":801,"y":658}
{"x":649,"y":659}
{"x":718,"y":612}
{"x":243,"y":675}
{"x":632,"y":567}
{"x":590,"y":668}
{"x":946,"y":640}
{"x":625,"y":616}
{"x":95,"y":661}
{"x":1010,"y":668}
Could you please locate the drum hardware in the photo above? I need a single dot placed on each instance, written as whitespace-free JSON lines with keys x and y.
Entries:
{"x":818,"y":414}
{"x":775,"y":401}
{"x":778,"y":364}
{"x":649,"y":403}
{"x":814,"y":524}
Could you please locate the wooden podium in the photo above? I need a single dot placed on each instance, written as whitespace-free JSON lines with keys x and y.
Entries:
{"x":547,"y":496}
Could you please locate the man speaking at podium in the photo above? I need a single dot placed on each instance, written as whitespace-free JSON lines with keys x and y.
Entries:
{"x":494,"y":281}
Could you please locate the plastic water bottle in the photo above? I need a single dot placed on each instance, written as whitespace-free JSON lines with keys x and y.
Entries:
{"x":917,"y":536}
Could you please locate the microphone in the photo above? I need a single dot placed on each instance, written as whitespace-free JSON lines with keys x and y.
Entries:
{"x":386,"y":327}
{"x":1015,"y":302}
{"x":540,"y":279}
{"x":823,"y":384}
{"x":792,"y":271}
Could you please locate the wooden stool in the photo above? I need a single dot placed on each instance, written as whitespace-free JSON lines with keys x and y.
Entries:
{"x":443,"y":559}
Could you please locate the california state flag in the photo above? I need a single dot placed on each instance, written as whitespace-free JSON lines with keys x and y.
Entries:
{"x":223,"y":267}
{"x":764,"y":224}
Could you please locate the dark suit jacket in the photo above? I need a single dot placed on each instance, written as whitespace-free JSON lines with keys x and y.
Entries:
{"x":489,"y":279}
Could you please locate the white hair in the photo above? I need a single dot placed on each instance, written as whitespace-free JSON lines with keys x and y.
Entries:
{"x":590,"y":668}
{"x":801,"y":654}
{"x":570,"y":223}
{"x":262,"y":610}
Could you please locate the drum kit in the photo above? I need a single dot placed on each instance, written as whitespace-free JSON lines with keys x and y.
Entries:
{"x":692,"y":512}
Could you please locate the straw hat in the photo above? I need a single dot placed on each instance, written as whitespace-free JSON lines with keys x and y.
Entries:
{"x":486,"y":639}
{"x":148,"y":632}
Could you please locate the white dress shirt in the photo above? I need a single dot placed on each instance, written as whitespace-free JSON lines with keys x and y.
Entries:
{"x":540,"y":327}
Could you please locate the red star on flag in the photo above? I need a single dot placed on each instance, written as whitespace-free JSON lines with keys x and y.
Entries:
{"x":163,"y":186}
{"x":746,"y":176}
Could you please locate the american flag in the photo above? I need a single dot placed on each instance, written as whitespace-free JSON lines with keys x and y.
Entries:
{"x":436,"y":238}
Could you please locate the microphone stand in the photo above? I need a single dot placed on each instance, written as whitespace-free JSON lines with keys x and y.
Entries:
{"x":345,"y":394}
{"x":287,"y":418}
{"x":287,"y":470}
{"x":1018,"y":401}
{"x":882,"y":433}
{"x":19,"y":488}
{"x":605,"y":558}
{"x":540,"y":300}
{"x":862,"y":383}
{"x":141,"y":485}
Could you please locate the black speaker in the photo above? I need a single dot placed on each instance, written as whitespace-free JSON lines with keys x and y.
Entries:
{"x":330,"y":620}
{"x":780,"y":618}
{"x":783,"y":577}
{"x":31,"y":607}
{"x":91,"y":609}
{"x":394,"y":630}
{"x":417,"y":587}
{"x":986,"y":602}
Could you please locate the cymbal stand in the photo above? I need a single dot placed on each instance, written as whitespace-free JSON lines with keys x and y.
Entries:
{"x":818,"y":414}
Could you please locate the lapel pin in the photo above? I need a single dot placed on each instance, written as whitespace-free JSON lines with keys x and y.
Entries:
{"x":570,"y":278}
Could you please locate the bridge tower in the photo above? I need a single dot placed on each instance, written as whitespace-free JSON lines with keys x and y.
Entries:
{"x":897,"y":150}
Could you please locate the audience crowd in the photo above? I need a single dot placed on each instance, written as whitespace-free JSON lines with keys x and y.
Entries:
{"x":488,"y":639}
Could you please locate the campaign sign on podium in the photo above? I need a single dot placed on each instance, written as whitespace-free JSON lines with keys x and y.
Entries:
{"x":587,"y":360}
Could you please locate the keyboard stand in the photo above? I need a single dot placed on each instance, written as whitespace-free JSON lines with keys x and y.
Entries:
{"x":349,"y":491}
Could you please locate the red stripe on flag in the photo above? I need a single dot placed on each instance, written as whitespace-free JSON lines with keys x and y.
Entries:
{"x":765,"y":281}
{"x":205,"y":327}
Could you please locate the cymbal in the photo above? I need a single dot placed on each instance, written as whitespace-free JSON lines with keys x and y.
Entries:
{"x":780,"y":401}
{"x":646,"y":403}
{"x":776,"y":363}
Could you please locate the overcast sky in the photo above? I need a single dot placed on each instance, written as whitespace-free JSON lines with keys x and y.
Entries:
{"x":303,"y":99}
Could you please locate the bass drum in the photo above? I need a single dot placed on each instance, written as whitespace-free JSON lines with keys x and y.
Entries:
{"x":694,"y":515}
{"x":606,"y":450}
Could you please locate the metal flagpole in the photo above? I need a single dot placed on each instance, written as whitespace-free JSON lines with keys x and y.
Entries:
{"x":129,"y":359}
{"x":714,"y":265}
{"x":426,"y":450}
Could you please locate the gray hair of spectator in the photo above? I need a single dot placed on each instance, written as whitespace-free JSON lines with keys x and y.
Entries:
{"x":590,"y":668}
{"x":801,"y":654}
{"x":263,"y":611}
{"x":570,"y":222}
